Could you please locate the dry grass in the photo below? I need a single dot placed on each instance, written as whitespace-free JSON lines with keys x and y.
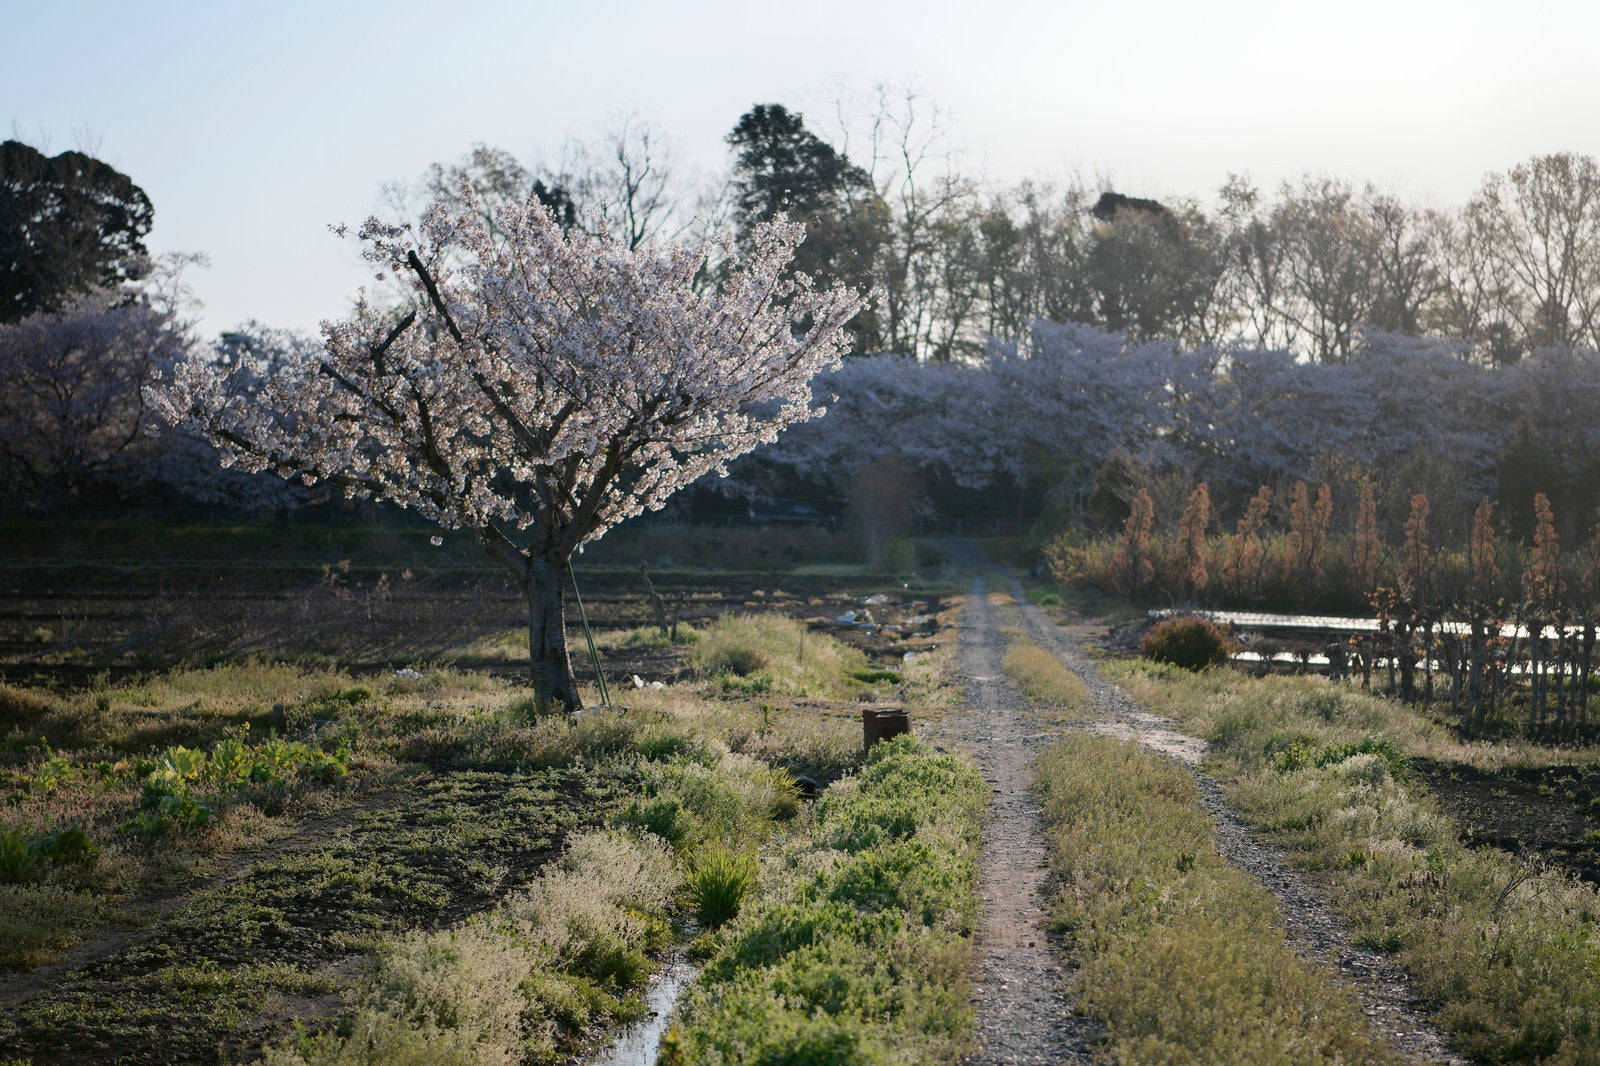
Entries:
{"x":1181,"y":955}
{"x":1045,"y":680}
{"x":758,"y":654}
{"x":1503,"y":950}
{"x":500,"y":990}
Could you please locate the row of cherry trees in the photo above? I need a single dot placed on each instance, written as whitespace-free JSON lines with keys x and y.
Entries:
{"x":1078,"y":418}
{"x":1493,"y":625}
{"x":76,"y":429}
{"x":1083,"y":419}
{"x":1078,"y":411}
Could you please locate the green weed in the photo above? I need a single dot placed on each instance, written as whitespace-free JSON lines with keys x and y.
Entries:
{"x":24,"y":856}
{"x":718,"y":883}
{"x":861,"y":955}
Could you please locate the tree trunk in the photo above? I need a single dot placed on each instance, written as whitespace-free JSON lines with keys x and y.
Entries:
{"x":549,"y":667}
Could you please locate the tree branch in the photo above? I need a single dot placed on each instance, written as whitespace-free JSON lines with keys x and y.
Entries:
{"x":394,"y":334}
{"x":433,"y":295}
{"x":503,"y":550}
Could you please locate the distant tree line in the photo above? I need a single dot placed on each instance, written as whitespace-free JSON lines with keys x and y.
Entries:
{"x":87,"y":318}
{"x":1079,"y":421}
{"x":1307,"y":267}
{"x":1051,"y":346}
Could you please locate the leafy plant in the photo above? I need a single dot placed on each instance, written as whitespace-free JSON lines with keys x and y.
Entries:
{"x":22,"y":856}
{"x":665,"y":816}
{"x":187,"y":788}
{"x":71,"y":844}
{"x":1298,"y":755}
{"x":50,"y":773}
{"x":16,"y":857}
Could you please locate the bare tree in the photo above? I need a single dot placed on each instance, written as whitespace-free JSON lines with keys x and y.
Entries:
{"x":1475,"y":303}
{"x":1408,"y":244}
{"x":627,"y":178}
{"x":1254,"y":278}
{"x":1541,"y":224}
{"x":1329,"y":249}
{"x":924,"y":233}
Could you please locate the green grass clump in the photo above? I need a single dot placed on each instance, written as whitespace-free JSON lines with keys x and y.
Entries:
{"x":860,"y":953}
{"x":1182,"y":957}
{"x":718,"y":883}
{"x":663,"y":816}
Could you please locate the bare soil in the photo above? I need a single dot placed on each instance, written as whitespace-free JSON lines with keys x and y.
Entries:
{"x":1550,"y":812}
{"x":73,"y":626}
{"x":280,"y":935}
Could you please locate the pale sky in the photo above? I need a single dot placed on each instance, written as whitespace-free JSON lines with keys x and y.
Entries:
{"x":253,"y":127}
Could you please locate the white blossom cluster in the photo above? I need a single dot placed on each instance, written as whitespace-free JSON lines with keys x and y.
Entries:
{"x":1051,"y":411}
{"x":542,"y":379}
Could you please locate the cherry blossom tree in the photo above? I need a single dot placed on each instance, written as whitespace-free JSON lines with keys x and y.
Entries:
{"x":542,"y":387}
{"x":72,"y":415}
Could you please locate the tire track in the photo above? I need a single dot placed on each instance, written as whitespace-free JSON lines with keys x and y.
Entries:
{"x":1308,"y":919}
{"x":1024,"y":1016}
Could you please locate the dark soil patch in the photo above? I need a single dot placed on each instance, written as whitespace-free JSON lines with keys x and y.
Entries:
{"x":1551,"y":812}
{"x":207,"y":983}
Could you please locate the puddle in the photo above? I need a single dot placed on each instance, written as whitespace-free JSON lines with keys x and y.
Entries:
{"x":637,"y":1044}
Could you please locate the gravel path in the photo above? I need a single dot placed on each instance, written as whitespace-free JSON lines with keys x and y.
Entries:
{"x":1023,"y":1013}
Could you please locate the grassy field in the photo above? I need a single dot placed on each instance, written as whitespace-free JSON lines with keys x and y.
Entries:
{"x":1503,"y":947}
{"x":860,"y":947}
{"x":400,"y":860}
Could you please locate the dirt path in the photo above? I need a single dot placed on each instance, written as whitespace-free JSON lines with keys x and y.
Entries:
{"x":1023,"y":1013}
{"x":1023,"y":1010}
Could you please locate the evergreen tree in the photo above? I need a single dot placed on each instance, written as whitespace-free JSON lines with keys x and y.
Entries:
{"x":69,"y":224}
